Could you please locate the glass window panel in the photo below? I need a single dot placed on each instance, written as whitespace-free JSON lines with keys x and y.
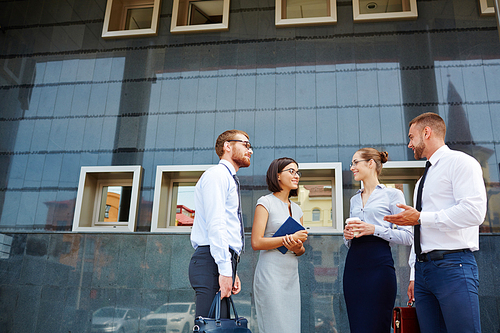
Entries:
{"x":306,"y":8}
{"x":389,"y":6}
{"x":315,"y":200}
{"x":182,"y":211}
{"x":200,"y":12}
{"x":139,"y":18}
{"x":115,"y":204}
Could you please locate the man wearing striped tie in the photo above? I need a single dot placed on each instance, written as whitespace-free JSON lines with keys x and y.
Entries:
{"x":217,"y":235}
{"x":450,"y":204}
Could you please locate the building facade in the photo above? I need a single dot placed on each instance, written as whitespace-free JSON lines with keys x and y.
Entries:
{"x":70,"y":98}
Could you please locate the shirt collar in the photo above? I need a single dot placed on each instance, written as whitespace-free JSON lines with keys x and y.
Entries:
{"x":438,"y":154}
{"x":229,"y":166}
{"x":378,"y":186}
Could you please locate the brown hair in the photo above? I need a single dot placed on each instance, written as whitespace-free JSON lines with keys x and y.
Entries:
{"x":379,"y":157}
{"x":432,"y":120}
{"x":226,"y":136}
{"x":276,"y":167}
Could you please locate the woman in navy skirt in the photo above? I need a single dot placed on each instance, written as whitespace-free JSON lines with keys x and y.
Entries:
{"x":369,"y":275}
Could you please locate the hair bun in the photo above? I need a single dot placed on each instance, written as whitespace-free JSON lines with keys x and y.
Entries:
{"x":384,"y":156}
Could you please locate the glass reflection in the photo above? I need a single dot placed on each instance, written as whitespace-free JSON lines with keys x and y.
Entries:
{"x":305,"y":8}
{"x":376,"y":6}
{"x":170,"y":317}
{"x":315,"y":200}
{"x":200,"y":12}
{"x":182,"y":209}
{"x":139,"y":18}
{"x":115,"y":204}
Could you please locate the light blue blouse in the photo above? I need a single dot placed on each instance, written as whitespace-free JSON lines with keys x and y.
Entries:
{"x":382,"y":202}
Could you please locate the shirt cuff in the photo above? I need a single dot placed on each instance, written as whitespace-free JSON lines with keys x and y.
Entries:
{"x":427,"y":218}
{"x":379,"y":230}
{"x":225,"y":268}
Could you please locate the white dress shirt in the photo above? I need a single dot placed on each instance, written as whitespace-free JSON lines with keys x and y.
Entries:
{"x":381,"y":202}
{"x":453,"y":203}
{"x":216,"y":220}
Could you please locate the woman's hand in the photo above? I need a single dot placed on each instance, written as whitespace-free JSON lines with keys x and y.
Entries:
{"x":293,"y":245}
{"x":300,"y":235}
{"x":360,"y":228}
{"x":348,"y":233}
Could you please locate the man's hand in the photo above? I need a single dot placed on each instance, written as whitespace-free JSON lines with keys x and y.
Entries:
{"x":411,"y":291}
{"x":409,"y":216}
{"x":226,"y":286}
{"x":237,"y":285}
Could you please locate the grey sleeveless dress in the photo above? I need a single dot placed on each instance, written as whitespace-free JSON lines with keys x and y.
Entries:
{"x":276,"y":280}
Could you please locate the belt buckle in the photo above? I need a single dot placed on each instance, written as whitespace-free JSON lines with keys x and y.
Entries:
{"x":422,"y":257}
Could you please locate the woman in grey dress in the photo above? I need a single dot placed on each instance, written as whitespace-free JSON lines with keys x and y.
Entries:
{"x":276,"y":281}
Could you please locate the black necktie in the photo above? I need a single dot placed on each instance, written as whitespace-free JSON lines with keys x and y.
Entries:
{"x":418,"y":206}
{"x":240,"y":213}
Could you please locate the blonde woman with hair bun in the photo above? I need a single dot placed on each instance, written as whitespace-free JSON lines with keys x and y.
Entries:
{"x":369,"y":275}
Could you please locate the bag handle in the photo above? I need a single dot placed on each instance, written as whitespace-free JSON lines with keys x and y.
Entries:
{"x":215,"y":307}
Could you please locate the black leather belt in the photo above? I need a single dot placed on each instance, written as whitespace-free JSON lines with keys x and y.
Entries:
{"x":437,"y":254}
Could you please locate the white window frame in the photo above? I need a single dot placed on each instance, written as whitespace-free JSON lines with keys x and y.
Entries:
{"x":411,"y":14}
{"x":485,"y":10}
{"x":113,"y":16}
{"x":89,"y":192}
{"x":283,"y":22}
{"x":327,"y":171}
{"x":178,"y":29}
{"x":166,"y":176}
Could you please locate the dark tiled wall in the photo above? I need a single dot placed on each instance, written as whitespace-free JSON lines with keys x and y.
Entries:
{"x":55,"y":282}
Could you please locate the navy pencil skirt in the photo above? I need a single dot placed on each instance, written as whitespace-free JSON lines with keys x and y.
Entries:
{"x":369,"y":285}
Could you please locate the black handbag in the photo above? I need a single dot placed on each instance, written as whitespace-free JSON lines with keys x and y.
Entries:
{"x":215,"y":324}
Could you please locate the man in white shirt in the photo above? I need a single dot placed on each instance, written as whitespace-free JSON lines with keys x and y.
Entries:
{"x":444,"y":278}
{"x":217,"y":234}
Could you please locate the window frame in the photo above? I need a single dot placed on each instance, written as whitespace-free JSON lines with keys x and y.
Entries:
{"x":316,"y":171}
{"x":281,"y":22}
{"x":180,"y":29}
{"x":166,"y":175}
{"x":98,"y":198}
{"x":89,"y":191}
{"x":485,"y":10}
{"x":412,"y":14}
{"x":113,"y":16}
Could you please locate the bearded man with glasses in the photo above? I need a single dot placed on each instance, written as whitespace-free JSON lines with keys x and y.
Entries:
{"x":218,"y":235}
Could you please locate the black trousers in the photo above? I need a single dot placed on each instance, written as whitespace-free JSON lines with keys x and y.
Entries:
{"x":204,"y":278}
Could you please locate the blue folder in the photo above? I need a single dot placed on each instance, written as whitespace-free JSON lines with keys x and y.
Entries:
{"x":289,"y":227}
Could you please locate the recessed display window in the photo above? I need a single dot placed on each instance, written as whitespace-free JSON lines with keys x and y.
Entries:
{"x":107,"y":199}
{"x":131,"y":18}
{"x":305,"y":12}
{"x":200,"y":16}
{"x":487,"y":7}
{"x":384,"y":10}
{"x":173,"y":205}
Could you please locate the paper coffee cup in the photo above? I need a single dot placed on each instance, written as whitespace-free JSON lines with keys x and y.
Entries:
{"x":352,"y":219}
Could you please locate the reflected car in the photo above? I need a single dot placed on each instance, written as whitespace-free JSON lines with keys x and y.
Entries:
{"x":111,"y":319}
{"x":170,"y":318}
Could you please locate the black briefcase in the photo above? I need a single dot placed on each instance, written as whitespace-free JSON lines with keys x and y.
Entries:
{"x":214,"y":324}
